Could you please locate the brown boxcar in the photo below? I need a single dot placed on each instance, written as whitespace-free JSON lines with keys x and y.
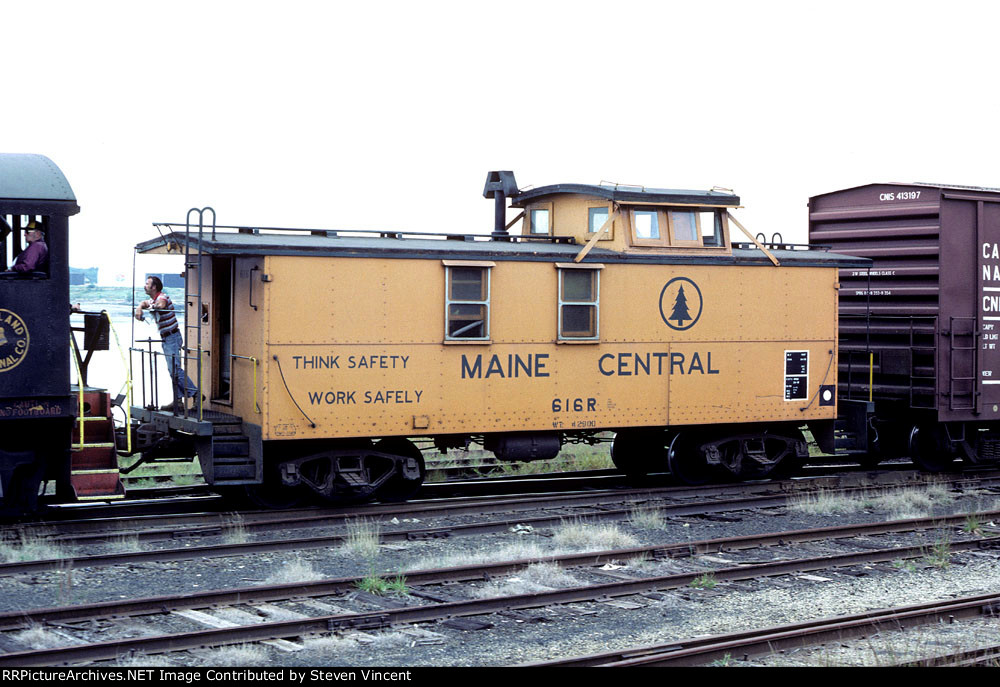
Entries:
{"x":919,"y":354}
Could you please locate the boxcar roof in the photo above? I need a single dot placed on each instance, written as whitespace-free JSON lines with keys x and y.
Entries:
{"x":465,"y":247}
{"x":32,"y":177}
{"x":919,"y":184}
{"x":629,"y":194}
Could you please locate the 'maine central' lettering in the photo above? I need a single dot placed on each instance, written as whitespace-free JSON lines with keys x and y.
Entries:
{"x":511,"y":365}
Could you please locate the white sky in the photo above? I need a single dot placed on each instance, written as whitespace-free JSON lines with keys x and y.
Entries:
{"x":389,"y":115}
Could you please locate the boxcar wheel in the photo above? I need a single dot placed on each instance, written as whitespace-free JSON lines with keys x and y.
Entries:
{"x":399,"y":488}
{"x":929,"y":450}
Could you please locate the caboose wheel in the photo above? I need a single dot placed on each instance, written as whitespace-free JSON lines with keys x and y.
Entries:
{"x":399,"y":487}
{"x":272,"y":494}
{"x":687,"y":464}
{"x":928,"y":448}
{"x":637,"y":452}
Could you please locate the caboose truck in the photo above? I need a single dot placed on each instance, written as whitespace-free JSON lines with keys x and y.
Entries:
{"x":321,"y":354}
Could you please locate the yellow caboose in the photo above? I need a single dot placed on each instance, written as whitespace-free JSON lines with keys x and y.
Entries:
{"x":320,"y":353}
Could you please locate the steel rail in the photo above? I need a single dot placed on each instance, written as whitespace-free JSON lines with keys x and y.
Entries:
{"x":13,"y":619}
{"x":413,"y":614}
{"x":704,"y":650}
{"x":70,"y":518}
{"x":473,"y":504}
{"x":980,"y":656}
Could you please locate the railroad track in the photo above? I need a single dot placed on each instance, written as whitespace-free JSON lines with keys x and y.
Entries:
{"x":438,"y":608}
{"x":693,"y":501}
{"x":718,"y":649}
{"x":199,"y":498}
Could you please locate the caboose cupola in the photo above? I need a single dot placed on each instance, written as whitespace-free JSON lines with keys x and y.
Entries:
{"x":630,"y":218}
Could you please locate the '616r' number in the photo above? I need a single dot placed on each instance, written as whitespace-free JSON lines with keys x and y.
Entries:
{"x":573,"y":405}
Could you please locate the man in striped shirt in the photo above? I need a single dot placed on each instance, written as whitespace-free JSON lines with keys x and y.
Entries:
{"x":162,"y":310}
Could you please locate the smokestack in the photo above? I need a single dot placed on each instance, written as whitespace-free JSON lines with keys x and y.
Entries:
{"x":499,"y":186}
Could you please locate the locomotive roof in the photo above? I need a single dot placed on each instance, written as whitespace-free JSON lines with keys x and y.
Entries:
{"x":629,"y":194}
{"x":398,"y":245}
{"x":32,"y":177}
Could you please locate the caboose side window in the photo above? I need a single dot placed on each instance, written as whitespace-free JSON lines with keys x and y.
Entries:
{"x":579,"y":302}
{"x":467,"y":303}
{"x":678,"y":228}
{"x":597,"y":217}
{"x":647,"y":225}
{"x":711,"y":228}
{"x":683,"y":227}
{"x":540,"y":221}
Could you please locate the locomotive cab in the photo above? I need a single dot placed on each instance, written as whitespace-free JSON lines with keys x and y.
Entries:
{"x":48,"y":429}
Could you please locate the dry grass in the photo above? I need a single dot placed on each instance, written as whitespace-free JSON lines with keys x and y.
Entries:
{"x":38,"y":637}
{"x":235,"y":531}
{"x":363,"y":536}
{"x":30,"y":546}
{"x":512,"y":552}
{"x":236,"y":655}
{"x":648,"y":518}
{"x":127,"y":542}
{"x":916,"y":502}
{"x":539,"y":577}
{"x":580,"y":535}
{"x":320,"y":646}
{"x":294,"y":570}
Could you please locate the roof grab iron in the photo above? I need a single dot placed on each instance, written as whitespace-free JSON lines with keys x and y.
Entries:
{"x":750,"y":236}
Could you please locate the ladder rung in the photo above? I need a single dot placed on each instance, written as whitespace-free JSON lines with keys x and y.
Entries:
{"x":77,"y":447}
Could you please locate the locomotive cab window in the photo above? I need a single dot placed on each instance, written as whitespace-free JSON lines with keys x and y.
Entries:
{"x":467,"y":301}
{"x":579,"y":302}
{"x":24,"y":250}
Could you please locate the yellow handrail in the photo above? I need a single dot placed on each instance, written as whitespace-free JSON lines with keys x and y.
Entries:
{"x":79,"y":386}
{"x":255,"y":362}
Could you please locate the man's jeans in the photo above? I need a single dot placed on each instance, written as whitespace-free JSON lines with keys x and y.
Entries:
{"x":172,"y":345}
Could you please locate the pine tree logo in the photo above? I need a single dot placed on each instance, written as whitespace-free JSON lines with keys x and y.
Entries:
{"x":680,"y":303}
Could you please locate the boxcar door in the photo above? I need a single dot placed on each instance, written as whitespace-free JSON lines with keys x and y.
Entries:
{"x":969,"y":326}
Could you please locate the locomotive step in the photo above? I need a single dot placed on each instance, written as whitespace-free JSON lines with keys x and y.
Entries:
{"x":99,"y":484}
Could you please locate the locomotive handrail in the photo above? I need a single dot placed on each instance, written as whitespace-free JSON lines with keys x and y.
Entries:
{"x":79,"y":388}
{"x":128,"y":387}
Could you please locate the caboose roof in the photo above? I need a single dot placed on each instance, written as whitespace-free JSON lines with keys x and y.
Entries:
{"x":629,"y":194}
{"x":398,"y":245}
